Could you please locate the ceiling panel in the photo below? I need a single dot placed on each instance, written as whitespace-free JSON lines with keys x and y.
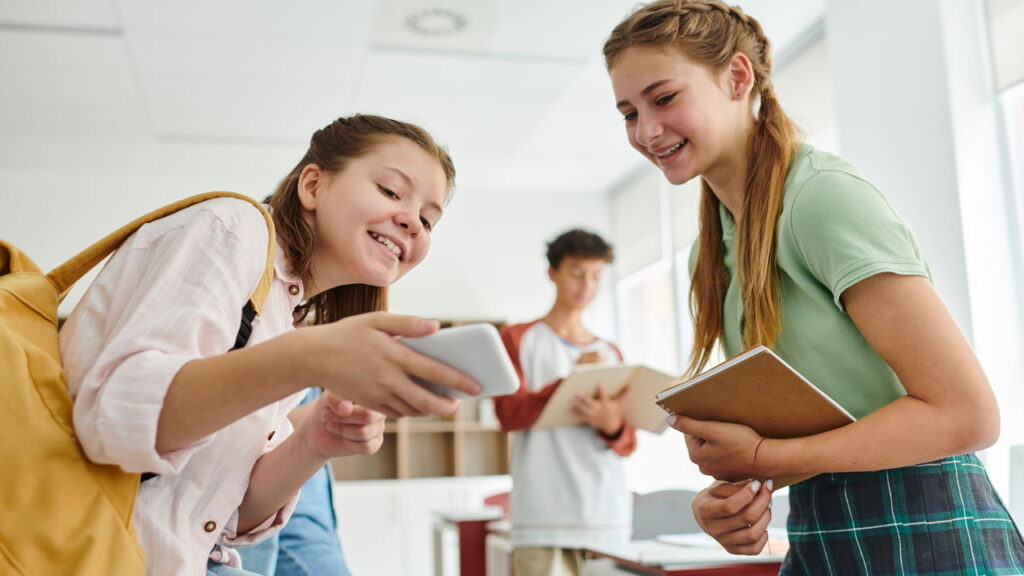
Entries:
{"x":81,"y":14}
{"x":234,"y":108}
{"x":490,"y":104}
{"x":339,"y":21}
{"x":67,"y":83}
{"x":522,"y":99}
{"x":34,"y":50}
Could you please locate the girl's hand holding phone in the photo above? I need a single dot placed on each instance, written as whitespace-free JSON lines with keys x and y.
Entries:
{"x":359,"y":359}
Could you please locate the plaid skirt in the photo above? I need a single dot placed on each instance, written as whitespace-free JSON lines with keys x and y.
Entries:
{"x":937,"y":518}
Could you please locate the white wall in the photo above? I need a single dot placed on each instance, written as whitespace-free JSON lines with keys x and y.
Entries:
{"x":805,"y":90}
{"x":487,"y":260}
{"x":917,"y":114}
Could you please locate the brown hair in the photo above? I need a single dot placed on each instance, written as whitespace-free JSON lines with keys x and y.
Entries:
{"x":579,"y":243}
{"x":711,"y":33}
{"x":332,"y":148}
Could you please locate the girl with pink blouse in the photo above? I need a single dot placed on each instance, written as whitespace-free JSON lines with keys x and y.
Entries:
{"x":157,"y":393}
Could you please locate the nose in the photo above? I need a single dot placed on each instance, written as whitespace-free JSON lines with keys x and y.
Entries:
{"x":648,"y":129}
{"x":409,"y":220}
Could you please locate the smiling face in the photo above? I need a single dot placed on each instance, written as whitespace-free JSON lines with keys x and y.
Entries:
{"x":577,"y":280}
{"x":372,"y":220}
{"x":682,"y":116}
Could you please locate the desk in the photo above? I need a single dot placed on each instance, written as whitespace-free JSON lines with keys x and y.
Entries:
{"x":661,"y":559}
{"x":459,"y":541}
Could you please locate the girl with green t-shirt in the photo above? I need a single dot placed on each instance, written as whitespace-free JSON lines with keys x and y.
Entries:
{"x":797,"y":252}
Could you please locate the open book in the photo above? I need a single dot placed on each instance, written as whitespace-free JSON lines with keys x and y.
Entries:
{"x":640,"y":412}
{"x":757,"y":389}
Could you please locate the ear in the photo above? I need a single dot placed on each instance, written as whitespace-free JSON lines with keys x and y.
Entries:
{"x":551,"y":274}
{"x":311,"y":180}
{"x":740,"y":76}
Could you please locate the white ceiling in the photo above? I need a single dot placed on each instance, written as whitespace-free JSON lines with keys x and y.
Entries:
{"x":520,"y":96}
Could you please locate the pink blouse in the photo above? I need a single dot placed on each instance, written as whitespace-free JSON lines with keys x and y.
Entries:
{"x":174,"y":292}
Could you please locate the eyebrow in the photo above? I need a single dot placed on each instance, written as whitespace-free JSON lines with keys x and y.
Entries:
{"x":408,"y":182}
{"x":644,"y":92}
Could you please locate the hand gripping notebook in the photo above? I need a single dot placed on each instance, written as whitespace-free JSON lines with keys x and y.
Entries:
{"x":760,"y":390}
{"x":641,"y":381}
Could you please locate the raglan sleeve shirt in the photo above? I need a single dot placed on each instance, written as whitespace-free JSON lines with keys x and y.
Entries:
{"x":520,"y":410}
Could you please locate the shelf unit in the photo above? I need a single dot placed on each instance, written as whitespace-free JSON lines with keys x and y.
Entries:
{"x":469,"y":443}
{"x":463,"y":445}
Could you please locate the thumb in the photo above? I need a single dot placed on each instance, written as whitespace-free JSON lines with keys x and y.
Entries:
{"x":688,"y":425}
{"x":398,"y":325}
{"x":342,"y":407}
{"x":624,"y":395}
{"x":335,"y":404}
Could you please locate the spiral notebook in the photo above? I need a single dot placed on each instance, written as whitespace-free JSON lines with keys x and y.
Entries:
{"x":760,"y":390}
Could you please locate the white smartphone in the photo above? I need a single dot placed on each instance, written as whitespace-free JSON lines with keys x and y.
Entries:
{"x":476,"y":351}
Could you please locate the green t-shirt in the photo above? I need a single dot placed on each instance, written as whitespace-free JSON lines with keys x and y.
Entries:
{"x":835,"y":230}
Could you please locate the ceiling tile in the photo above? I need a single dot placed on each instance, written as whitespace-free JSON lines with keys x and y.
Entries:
{"x":96,"y":15}
{"x":340,"y":21}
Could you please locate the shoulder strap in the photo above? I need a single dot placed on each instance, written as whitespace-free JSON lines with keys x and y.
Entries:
{"x":65,"y":275}
{"x":245,"y":329}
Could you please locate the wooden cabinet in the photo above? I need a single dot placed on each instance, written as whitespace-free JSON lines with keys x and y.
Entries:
{"x":470,"y":443}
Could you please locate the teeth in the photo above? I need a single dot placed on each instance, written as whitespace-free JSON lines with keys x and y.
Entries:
{"x":671,"y":150}
{"x":391,"y":245}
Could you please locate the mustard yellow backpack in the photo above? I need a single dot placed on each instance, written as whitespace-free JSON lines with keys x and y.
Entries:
{"x":59,"y":512}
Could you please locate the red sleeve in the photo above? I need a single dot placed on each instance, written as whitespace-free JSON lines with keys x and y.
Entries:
{"x":622,"y":359}
{"x":625,"y":443}
{"x":520,"y":410}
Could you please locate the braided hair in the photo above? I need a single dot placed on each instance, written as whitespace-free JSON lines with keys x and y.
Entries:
{"x":711,"y":33}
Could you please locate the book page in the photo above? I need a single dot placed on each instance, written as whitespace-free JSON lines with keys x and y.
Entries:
{"x":640,"y":410}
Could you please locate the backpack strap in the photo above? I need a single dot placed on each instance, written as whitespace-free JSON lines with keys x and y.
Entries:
{"x":245,"y":330}
{"x":65,"y":275}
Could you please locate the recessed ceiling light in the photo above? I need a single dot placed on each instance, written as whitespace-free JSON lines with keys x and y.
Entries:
{"x":436,"y":22}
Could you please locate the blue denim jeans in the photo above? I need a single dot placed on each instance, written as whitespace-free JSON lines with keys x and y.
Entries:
{"x":309,"y":543}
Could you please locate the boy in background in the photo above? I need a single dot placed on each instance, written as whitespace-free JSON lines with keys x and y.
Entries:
{"x":569,"y":484}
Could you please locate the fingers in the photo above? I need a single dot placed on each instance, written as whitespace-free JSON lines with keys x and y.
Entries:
{"x":436,"y":372}
{"x":355,"y":433}
{"x":751,"y":535}
{"x":688,"y":425}
{"x":748,"y":541}
{"x":336,"y":405}
{"x":361,"y":429}
{"x":403,"y":397}
{"x":739,"y":520}
{"x":723,"y":490}
{"x":352,"y":414}
{"x":365,"y":363}
{"x":725,"y":501}
{"x":398,"y":325}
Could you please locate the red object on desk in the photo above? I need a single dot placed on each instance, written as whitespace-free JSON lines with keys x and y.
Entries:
{"x":471,"y":547}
